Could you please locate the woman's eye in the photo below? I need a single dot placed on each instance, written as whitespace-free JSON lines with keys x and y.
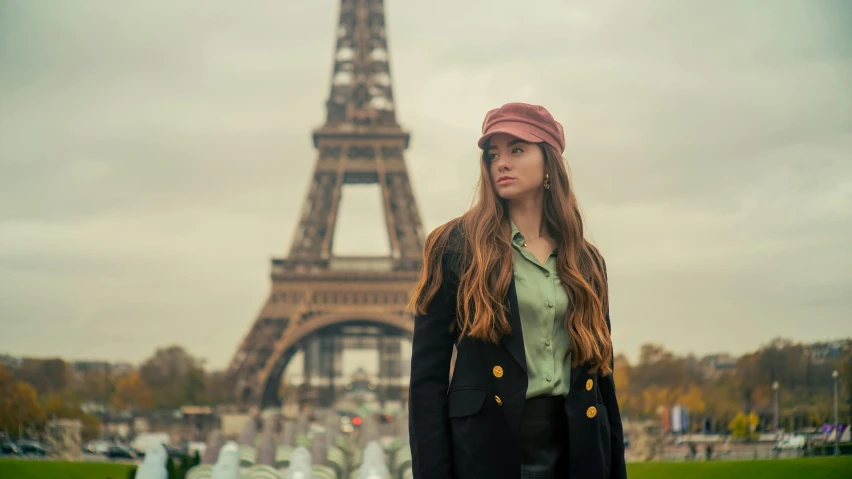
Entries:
{"x":517,"y":150}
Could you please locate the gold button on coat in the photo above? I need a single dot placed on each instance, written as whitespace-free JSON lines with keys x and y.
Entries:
{"x":591,"y":412}
{"x":589,"y":385}
{"x":498,"y":372}
{"x":499,"y":401}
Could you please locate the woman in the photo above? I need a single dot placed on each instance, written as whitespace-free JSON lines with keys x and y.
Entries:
{"x":516,"y":288}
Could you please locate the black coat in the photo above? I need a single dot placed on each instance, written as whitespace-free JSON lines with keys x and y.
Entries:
{"x":469,"y":429}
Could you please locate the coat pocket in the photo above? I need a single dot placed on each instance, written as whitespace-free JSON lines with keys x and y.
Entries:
{"x":465,"y":402}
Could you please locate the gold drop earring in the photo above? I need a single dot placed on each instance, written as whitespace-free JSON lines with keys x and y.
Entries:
{"x":546,"y":181}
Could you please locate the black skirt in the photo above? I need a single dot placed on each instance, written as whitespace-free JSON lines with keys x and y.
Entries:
{"x":544,"y":438}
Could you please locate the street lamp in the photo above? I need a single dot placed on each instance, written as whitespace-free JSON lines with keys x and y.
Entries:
{"x":775,"y":419}
{"x":836,"y":376}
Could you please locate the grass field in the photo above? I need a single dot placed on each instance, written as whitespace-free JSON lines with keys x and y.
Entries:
{"x":23,"y":469}
{"x":808,"y":468}
{"x":811,"y":468}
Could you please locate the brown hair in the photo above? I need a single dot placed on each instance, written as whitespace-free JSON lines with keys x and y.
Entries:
{"x":485,"y":258}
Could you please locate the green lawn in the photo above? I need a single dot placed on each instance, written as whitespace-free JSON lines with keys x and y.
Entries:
{"x":25,"y":469}
{"x":811,"y":468}
{"x":806,"y":468}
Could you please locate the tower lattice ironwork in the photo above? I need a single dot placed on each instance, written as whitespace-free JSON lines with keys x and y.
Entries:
{"x":321,"y":303}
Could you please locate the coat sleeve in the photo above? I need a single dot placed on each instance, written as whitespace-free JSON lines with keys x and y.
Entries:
{"x":432,"y":348}
{"x":618,"y":469}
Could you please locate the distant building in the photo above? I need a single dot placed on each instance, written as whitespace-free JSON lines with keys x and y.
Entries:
{"x":820,"y":353}
{"x":716,"y":365}
{"x":10,"y":362}
{"x":78,"y":368}
{"x":114,"y":368}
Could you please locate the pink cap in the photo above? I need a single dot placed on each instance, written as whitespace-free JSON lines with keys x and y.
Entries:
{"x":531,"y":123}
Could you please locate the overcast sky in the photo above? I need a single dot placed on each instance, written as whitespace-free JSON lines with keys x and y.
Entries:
{"x":154,"y":156}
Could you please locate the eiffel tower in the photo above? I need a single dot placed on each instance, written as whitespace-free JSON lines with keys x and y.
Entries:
{"x":321,"y":303}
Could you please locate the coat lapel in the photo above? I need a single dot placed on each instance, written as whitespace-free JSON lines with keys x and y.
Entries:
{"x":515,"y":342}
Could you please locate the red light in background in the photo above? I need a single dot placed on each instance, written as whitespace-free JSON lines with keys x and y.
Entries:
{"x":356,"y":421}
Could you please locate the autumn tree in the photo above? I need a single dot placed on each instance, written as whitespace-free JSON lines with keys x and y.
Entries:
{"x":19,"y":407}
{"x":67,"y":406}
{"x":174,"y":377}
{"x":743,"y":426}
{"x":47,"y":376}
{"x":722,"y":400}
{"x":661,"y":379}
{"x":96,"y":384}
{"x":621,"y":374}
{"x":91,"y":427}
{"x":692,"y":399}
{"x":659,"y":367}
{"x":131,"y":392}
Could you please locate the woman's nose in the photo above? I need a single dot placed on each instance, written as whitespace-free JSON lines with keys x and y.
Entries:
{"x":501,"y":164}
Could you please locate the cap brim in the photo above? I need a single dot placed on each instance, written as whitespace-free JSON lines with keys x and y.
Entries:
{"x":512,"y":130}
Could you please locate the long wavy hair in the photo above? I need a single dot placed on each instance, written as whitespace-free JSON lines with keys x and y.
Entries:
{"x":485,"y":268}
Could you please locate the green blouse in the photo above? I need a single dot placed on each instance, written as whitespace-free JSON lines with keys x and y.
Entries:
{"x":543,"y":304}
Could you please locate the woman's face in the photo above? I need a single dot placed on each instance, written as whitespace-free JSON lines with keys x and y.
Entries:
{"x":516,"y":167}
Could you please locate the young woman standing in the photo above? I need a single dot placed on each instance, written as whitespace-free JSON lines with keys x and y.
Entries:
{"x":516,"y":288}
